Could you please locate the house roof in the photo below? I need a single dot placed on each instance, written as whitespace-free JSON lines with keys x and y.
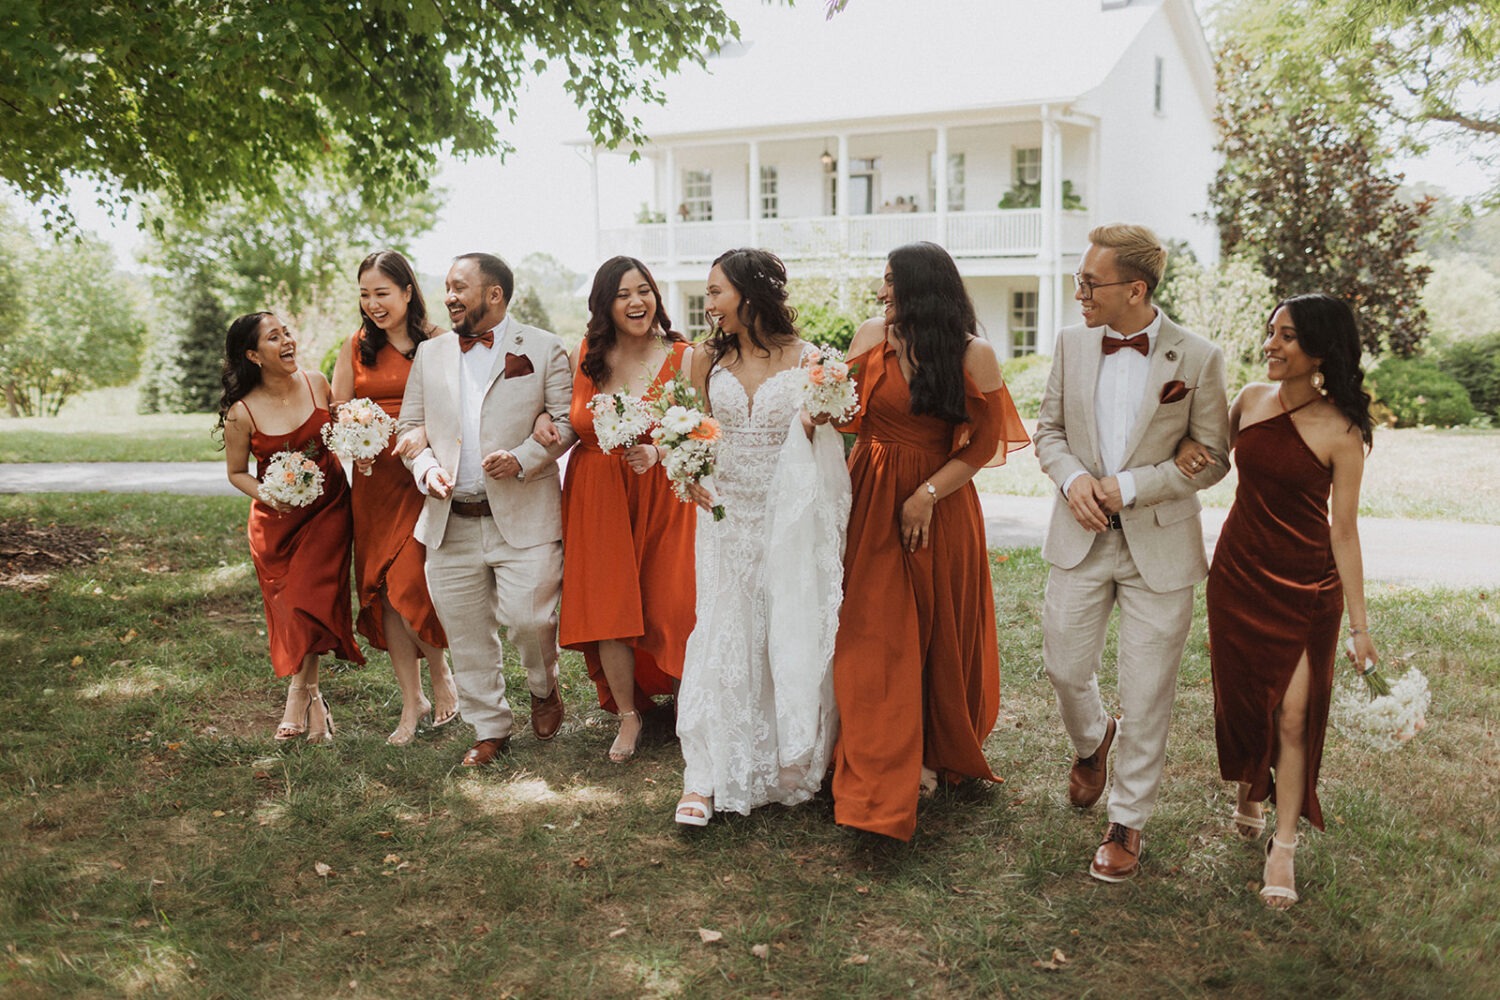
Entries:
{"x":903,"y":58}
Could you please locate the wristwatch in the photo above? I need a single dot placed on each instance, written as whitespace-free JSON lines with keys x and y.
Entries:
{"x":931,"y":490}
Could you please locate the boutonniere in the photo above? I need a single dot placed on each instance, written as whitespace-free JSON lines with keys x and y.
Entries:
{"x":1175,"y":390}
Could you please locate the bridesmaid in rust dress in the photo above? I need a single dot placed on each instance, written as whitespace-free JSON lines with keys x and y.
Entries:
{"x":916,"y":670}
{"x":1282,"y":574}
{"x":301,"y":554}
{"x":627,"y":598}
{"x":395,"y":612}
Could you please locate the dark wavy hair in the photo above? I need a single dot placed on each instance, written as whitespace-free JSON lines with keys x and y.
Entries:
{"x":760,"y":278}
{"x":371,"y":337}
{"x":237,"y":373}
{"x":935,"y":320}
{"x":1326,"y":330}
{"x":600,"y":333}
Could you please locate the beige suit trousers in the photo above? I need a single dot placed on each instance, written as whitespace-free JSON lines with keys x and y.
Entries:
{"x":1153,"y":630}
{"x":478,"y":582}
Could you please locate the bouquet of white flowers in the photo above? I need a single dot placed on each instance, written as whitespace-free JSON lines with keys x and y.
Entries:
{"x":619,"y":419}
{"x":1378,"y":714}
{"x":828,"y":386}
{"x":689,"y":436}
{"x":361,"y":430}
{"x":291,"y":478}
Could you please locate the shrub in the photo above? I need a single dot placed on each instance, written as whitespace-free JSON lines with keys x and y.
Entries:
{"x":1026,"y":378}
{"x":330,"y":359}
{"x":1419,"y":393}
{"x":1475,"y":364}
{"x":820,"y":323}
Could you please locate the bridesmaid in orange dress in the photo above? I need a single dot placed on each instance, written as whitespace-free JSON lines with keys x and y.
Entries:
{"x":627,"y":598}
{"x":301,"y":554}
{"x":916,"y":670}
{"x":395,"y":613}
{"x":1283,"y":574}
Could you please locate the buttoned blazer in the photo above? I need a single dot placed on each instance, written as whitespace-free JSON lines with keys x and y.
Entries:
{"x":527,"y":511}
{"x":1162,"y":527}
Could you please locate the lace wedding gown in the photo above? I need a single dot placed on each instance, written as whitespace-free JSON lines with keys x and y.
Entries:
{"x":756,"y":712}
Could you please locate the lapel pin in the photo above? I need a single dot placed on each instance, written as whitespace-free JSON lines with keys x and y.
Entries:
{"x":1171,"y":355}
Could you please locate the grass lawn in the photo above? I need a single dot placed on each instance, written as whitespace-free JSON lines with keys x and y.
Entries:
{"x":155,"y":841}
{"x":1417,"y":473}
{"x":126,"y":437}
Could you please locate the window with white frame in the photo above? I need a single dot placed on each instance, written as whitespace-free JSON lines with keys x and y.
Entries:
{"x":770,"y":193}
{"x":955,"y":181}
{"x":696,"y":324}
{"x":1028,"y":166}
{"x":1022,"y":323}
{"x":1156,"y":86}
{"x":697,"y":196}
{"x":864,"y":179}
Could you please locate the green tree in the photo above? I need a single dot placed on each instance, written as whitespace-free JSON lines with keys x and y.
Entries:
{"x":528,"y":308}
{"x":78,"y":326}
{"x":1302,"y":197}
{"x":1228,"y":304}
{"x":1397,"y":73}
{"x":198,"y":99}
{"x":555,"y":286}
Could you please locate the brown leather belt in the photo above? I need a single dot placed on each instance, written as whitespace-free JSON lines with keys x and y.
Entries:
{"x":1114,"y":522}
{"x":465,"y":508}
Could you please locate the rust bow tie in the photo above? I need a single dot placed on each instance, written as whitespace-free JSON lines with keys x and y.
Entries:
{"x":487,"y":338}
{"x":1140,"y":342}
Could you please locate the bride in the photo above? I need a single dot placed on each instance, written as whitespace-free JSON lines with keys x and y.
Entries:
{"x":755,"y":712}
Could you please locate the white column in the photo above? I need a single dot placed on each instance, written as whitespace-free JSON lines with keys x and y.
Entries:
{"x":941,"y":196}
{"x":752,"y":194}
{"x":841,"y":183}
{"x":674,"y":198}
{"x":593,"y":155}
{"x":1048,"y":314}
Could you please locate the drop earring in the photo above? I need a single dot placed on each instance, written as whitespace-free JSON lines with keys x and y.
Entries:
{"x":1317,"y":381}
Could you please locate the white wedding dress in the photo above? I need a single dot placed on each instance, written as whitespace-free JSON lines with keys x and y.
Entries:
{"x":755,"y":712}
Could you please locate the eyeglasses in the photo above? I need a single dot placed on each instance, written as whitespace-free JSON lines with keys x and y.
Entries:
{"x":1087,"y":287}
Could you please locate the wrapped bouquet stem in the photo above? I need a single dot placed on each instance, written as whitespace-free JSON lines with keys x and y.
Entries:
{"x":1382,"y":715}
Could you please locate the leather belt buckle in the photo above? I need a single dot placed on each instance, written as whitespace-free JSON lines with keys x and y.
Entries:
{"x":1114,"y":523}
{"x":470,"y":508}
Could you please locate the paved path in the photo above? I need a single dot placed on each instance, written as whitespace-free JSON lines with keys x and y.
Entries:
{"x":1396,"y":551}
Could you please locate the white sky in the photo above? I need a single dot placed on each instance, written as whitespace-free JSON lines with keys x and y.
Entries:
{"x":540,"y":199}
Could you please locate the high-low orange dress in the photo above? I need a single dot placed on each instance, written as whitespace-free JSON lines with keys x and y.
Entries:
{"x":302,"y":556}
{"x":1273,"y":594}
{"x":386,"y":506}
{"x":627,"y":555}
{"x":916,"y":670}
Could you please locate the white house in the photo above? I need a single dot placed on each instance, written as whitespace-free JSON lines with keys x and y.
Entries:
{"x":898,"y":120}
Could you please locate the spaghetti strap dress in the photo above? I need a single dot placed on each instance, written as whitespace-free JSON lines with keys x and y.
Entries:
{"x":386,"y":504}
{"x":917,"y":667}
{"x":301,"y":556}
{"x":627,"y":555}
{"x":1273,"y":594}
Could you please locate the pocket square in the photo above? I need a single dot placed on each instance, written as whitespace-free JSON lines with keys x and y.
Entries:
{"x":517,"y":365}
{"x":1175,"y":390}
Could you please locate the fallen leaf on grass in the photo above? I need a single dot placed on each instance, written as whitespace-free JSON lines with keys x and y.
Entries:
{"x":1057,"y":961}
{"x":393,"y":859}
{"x":618,"y":932}
{"x":761,"y":951}
{"x":581,"y":862}
{"x":76,"y":661}
{"x":710,"y":937}
{"x":857,"y":960}
{"x":323,"y":870}
{"x":219,"y":813}
{"x":142,"y":922}
{"x":354,"y":933}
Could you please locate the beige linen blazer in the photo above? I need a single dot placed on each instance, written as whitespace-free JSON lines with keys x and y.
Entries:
{"x":1161,"y":527}
{"x":527,"y":511}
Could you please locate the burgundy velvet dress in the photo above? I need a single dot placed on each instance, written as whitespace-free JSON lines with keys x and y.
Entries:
{"x":1273,"y":593}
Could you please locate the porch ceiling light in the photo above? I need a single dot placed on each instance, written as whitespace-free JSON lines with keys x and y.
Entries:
{"x":827,"y":160}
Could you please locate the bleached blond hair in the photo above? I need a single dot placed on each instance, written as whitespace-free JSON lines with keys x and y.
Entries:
{"x":1138,"y":251}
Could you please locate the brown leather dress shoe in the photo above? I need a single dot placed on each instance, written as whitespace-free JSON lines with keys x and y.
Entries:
{"x":1119,"y":854}
{"x":1089,"y":774}
{"x":485,"y":751}
{"x":546,"y":715}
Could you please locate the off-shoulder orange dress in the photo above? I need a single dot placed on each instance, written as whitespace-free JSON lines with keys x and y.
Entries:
{"x":301,"y":556}
{"x":916,"y":670}
{"x":386,"y":506}
{"x":627,"y":555}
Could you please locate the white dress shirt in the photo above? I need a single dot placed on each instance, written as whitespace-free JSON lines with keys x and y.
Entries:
{"x":1117,"y":402}
{"x":474,"y":375}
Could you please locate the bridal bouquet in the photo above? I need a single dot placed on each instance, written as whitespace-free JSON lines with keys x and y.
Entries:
{"x":689,"y":436}
{"x":828,"y":388}
{"x":291,"y":478}
{"x":1381,"y":715}
{"x":619,"y":419}
{"x":361,"y":430}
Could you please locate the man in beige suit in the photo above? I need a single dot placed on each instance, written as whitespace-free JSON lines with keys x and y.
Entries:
{"x":1125,"y":388}
{"x":492,"y":521}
